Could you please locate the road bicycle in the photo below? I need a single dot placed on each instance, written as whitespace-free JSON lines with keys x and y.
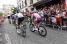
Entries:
{"x":41,"y":29}
{"x":22,"y":28}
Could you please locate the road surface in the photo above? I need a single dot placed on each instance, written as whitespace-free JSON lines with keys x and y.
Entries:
{"x":11,"y":37}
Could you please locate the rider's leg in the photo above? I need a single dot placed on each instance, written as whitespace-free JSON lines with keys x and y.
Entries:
{"x":18,"y":26}
{"x":18,"y":22}
{"x":36,"y":24}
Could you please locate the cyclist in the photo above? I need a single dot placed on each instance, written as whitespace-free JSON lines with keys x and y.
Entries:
{"x":36,"y":19}
{"x":20,"y":18}
{"x":14,"y":18}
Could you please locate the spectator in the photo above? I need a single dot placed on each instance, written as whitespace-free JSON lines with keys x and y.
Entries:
{"x":41,"y":13}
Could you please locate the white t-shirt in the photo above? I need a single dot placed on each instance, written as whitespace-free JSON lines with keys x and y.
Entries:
{"x":20,"y":15}
{"x":53,"y":20}
{"x":63,"y":13}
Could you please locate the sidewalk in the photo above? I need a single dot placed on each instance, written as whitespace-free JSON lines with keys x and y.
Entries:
{"x":57,"y":27}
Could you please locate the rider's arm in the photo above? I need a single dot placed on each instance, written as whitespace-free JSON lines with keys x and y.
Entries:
{"x":32,"y":18}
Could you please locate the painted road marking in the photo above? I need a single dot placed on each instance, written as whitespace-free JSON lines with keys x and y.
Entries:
{"x":7,"y":39}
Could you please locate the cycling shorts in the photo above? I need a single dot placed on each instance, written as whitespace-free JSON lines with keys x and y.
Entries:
{"x":37,"y":20}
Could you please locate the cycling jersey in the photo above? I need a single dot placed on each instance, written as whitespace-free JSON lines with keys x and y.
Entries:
{"x":20,"y":18}
{"x":36,"y":15}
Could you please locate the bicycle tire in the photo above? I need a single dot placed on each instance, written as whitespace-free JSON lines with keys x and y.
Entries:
{"x":23,"y":31}
{"x":42,"y":30}
{"x":31,"y":27}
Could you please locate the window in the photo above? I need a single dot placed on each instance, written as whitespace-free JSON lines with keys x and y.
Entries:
{"x":31,"y":1}
{"x":25,"y":3}
{"x":22,"y":4}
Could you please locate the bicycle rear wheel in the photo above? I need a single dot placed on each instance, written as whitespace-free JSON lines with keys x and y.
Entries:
{"x":31,"y":26}
{"x":23,"y":31}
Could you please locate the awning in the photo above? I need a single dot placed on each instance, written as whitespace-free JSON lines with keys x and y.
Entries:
{"x":41,"y":2}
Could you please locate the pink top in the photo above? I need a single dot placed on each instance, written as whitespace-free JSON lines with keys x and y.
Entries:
{"x":36,"y":15}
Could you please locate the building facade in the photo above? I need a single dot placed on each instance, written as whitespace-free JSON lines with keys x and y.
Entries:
{"x":7,"y":9}
{"x":23,"y":4}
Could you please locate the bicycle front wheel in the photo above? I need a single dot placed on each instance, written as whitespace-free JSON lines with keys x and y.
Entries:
{"x":42,"y":31}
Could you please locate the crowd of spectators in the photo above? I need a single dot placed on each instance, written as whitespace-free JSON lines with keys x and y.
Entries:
{"x":54,"y":14}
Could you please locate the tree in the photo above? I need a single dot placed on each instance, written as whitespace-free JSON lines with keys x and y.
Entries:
{"x":1,"y":14}
{"x":14,"y":10}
